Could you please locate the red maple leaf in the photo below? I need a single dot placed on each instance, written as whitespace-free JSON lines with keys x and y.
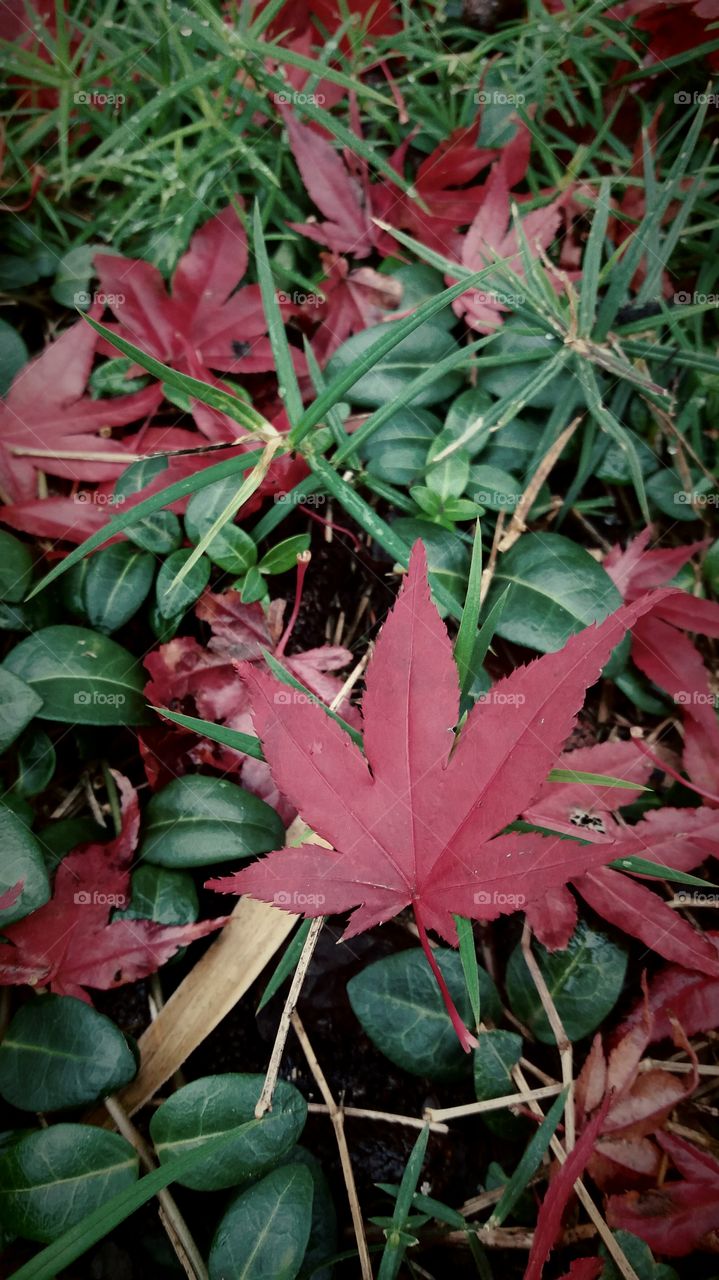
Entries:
{"x":677,"y":838}
{"x":675,"y":992}
{"x":418,"y":822}
{"x":203,"y":680}
{"x":680,"y":1216}
{"x":204,"y":322}
{"x":46,"y":413}
{"x":71,"y":943}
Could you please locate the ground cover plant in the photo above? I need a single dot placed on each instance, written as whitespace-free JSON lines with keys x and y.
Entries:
{"x":358,"y":589}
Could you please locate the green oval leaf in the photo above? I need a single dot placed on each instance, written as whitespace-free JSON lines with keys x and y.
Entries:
{"x":156,"y":893}
{"x":18,"y":704}
{"x":496,"y":1054}
{"x":21,"y":863}
{"x":584,"y":981}
{"x":52,"y":1179}
{"x":264,"y":1233}
{"x":60,"y":1052}
{"x":556,"y":589}
{"x":175,"y":598}
{"x":400,"y":1006}
{"x":196,"y":821}
{"x":160,"y":532}
{"x":35,"y":762}
{"x":397,"y":450}
{"x":232,"y":549}
{"x":15,"y":568}
{"x":390,"y":376}
{"x":284,"y":555}
{"x":118,"y":579}
{"x":81,"y":676}
{"x":216,"y":1105}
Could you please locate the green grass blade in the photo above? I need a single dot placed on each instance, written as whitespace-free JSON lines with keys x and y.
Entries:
{"x":644,"y":867}
{"x":284,"y":367}
{"x":397,"y":1241}
{"x":287,"y":964}
{"x":467,"y":634}
{"x":225,"y":403}
{"x":530,"y":1161}
{"x":172,"y":493}
{"x":245,"y":742}
{"x":468,"y":956}
{"x":592,"y":261}
{"x":594,"y":779}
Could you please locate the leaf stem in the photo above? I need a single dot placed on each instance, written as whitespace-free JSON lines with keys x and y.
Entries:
{"x":465,"y":1037}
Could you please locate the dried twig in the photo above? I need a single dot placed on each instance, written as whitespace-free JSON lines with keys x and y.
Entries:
{"x":564,"y":1044}
{"x":178,"y":1232}
{"x":265,"y":1099}
{"x":493,"y":1104}
{"x":517,"y":525}
{"x":337,"y":1117}
{"x":385,"y":1117}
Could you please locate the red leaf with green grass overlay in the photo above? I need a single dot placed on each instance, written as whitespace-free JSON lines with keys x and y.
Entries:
{"x":419,"y":821}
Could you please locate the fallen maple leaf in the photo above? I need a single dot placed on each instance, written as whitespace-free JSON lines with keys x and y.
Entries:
{"x":68,"y":944}
{"x":46,"y":412}
{"x":418,"y":822}
{"x":675,"y":992}
{"x":678,"y":1217}
{"x":204,"y":322}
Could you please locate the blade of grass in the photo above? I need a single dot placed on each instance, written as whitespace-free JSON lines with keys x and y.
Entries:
{"x":287,"y":378}
{"x":468,"y":957}
{"x":233,"y":738}
{"x":467,"y":634}
{"x":396,"y":1245}
{"x":530,"y":1161}
{"x":287,"y":964}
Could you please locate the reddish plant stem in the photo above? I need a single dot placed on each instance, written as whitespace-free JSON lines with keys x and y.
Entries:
{"x":465,"y":1037}
{"x":303,"y":560}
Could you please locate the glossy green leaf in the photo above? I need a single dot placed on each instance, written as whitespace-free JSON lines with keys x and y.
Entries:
{"x":232,"y":548}
{"x":52,"y":1179}
{"x":60,"y":1052}
{"x":497,"y":1053}
{"x":197,"y":821}
{"x":18,"y":704}
{"x":397,"y":450}
{"x":556,"y":589}
{"x":15,"y":568}
{"x":117,"y":581}
{"x":400,"y":1006}
{"x":13,"y":355}
{"x":162,"y":895}
{"x":447,"y":557}
{"x":174,"y":598}
{"x":283,"y":556}
{"x":81,"y":676}
{"x":420,"y":350}
{"x":218,"y":1104}
{"x":36,"y":762}
{"x":584,"y":981}
{"x":160,"y":532}
{"x":264,"y":1233}
{"x":322,"y":1243}
{"x":21,"y":862}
